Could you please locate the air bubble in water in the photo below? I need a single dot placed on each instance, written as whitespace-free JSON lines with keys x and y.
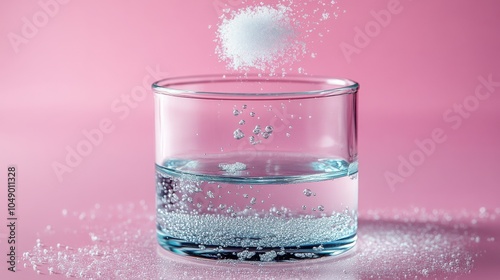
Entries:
{"x":242,"y":122}
{"x":236,"y":112}
{"x":321,"y":208}
{"x":238,"y":134}
{"x":256,"y":130}
{"x":269,"y":129}
{"x":210,"y":194}
{"x":252,"y":114}
{"x":307,"y":192}
{"x":266,"y":135}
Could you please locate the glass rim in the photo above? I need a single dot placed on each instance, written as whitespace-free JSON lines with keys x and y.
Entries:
{"x":337,"y":86}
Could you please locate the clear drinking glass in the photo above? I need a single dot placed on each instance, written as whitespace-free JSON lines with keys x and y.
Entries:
{"x":256,"y":168}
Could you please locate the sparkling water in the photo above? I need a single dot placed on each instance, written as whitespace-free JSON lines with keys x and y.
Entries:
{"x":256,"y":168}
{"x":257,"y":207}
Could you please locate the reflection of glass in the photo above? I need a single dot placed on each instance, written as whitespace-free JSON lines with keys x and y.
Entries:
{"x":256,"y":169}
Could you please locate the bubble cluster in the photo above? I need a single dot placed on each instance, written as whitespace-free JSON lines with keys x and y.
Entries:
{"x":250,"y":231}
{"x":232,"y":167}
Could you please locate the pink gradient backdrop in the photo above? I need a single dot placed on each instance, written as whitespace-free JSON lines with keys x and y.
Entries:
{"x":68,"y":76}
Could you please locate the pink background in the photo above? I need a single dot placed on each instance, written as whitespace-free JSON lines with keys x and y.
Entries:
{"x":75,"y":68}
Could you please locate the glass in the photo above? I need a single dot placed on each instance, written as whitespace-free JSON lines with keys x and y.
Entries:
{"x":256,"y":168}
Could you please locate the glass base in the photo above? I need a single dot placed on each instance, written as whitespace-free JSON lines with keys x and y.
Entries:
{"x":278,"y":254}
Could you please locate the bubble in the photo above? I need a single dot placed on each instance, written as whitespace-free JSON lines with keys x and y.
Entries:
{"x":266,"y":135}
{"x":307,"y":192}
{"x":245,"y":254}
{"x":252,"y":140}
{"x":268,"y":256}
{"x":242,"y":122}
{"x":253,"y":200}
{"x":287,"y":134}
{"x":244,"y":106}
{"x":252,"y":114}
{"x":304,"y":207}
{"x":269,"y":129}
{"x":238,"y":134}
{"x":321,"y":208}
{"x":210,"y":194}
{"x":236,"y":112}
{"x":256,"y":130}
